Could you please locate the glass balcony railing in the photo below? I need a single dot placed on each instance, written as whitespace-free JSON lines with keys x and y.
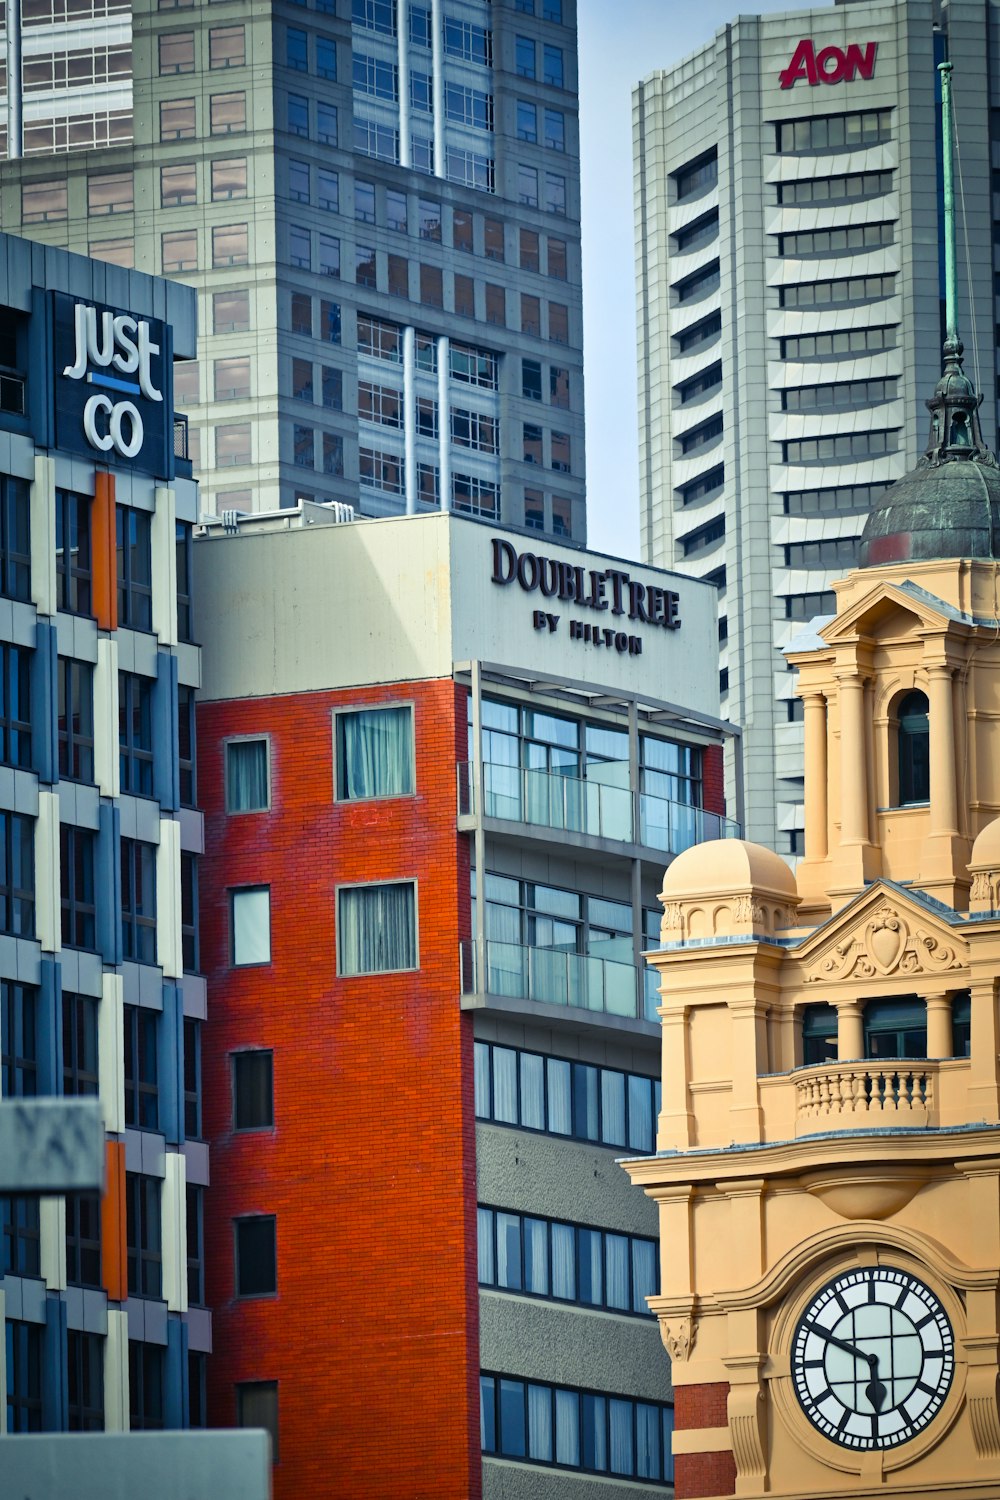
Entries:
{"x":555,"y":977}
{"x":600,"y":805}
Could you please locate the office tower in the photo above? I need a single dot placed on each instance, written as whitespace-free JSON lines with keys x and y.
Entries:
{"x":102,"y":1295}
{"x":438,"y":815}
{"x":379,"y":207}
{"x":790,"y":326}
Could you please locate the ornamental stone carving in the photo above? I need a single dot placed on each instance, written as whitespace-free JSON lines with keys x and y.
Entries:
{"x":888,"y":943}
{"x":677,"y":1337}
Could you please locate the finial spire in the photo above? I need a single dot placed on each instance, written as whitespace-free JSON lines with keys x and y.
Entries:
{"x":950,"y":296}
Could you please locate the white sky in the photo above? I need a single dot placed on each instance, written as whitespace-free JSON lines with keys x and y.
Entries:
{"x":621,"y":41}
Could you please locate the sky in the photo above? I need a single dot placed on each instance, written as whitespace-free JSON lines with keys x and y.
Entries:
{"x":622,"y":41}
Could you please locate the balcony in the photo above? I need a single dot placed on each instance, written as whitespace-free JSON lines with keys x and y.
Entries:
{"x":597,"y":808}
{"x":850,"y":1096}
{"x":551,"y":976}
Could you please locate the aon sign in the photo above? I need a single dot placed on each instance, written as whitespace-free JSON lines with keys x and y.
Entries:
{"x":830,"y":65}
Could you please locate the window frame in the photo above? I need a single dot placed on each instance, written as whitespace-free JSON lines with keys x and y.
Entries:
{"x":72,"y":580}
{"x":144,"y":1265}
{"x":358,"y":885}
{"x":241,"y":1219}
{"x":135,"y":923}
{"x":355,"y":708}
{"x":78,"y":916}
{"x":234,"y":1060}
{"x":246,"y":739}
{"x":257,"y":963}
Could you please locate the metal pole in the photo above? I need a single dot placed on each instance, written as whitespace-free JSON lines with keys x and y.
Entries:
{"x":15,"y":110}
{"x":950,"y":296}
{"x":409,"y":420}
{"x":403,"y":81}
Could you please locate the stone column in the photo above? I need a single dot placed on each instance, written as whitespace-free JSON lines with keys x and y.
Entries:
{"x":944,"y":794}
{"x":939,"y":1043}
{"x":853,"y":777}
{"x":850,"y":1030}
{"x":816,"y":776}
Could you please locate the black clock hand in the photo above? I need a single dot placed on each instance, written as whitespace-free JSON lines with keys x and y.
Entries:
{"x":874,"y":1390}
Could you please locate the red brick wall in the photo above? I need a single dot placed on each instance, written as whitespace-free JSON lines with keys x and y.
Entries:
{"x":713,"y":781}
{"x":697,"y":1474}
{"x":370,"y":1169}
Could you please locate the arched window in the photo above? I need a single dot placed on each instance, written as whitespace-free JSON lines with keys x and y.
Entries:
{"x":914,"y":750}
{"x":896,"y":1028}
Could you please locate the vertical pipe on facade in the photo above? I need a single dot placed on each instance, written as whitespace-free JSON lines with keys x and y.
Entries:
{"x":948,"y":178}
{"x":409,"y":419}
{"x":403,"y":86}
{"x":15,"y":122}
{"x":479,"y":837}
{"x":444,"y":422}
{"x":437,"y":84}
{"x":636,"y":867}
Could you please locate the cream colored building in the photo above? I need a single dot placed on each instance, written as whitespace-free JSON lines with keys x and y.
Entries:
{"x":828,"y":1155}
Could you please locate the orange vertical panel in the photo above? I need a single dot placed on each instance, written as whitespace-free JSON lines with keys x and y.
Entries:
{"x":114,"y":1268}
{"x":105,"y":556}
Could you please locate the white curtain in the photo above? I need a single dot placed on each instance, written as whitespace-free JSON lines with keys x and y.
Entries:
{"x":509,"y":1251}
{"x":620,"y":1412}
{"x":640,"y":1114}
{"x":252,"y":926}
{"x":643,"y":1274}
{"x":540,"y":1422}
{"x":616,"y":1271}
{"x":505,"y":1085}
{"x":378,"y":932}
{"x":613,"y":1107}
{"x":482,"y":1075}
{"x":595,"y":1432}
{"x":536,"y":1258}
{"x":375,"y":753}
{"x":591,"y":1279}
{"x":560,"y":1115}
{"x":246,"y":775}
{"x":564,"y":1262}
{"x":567,"y":1428}
{"x":484,"y":1237}
{"x":532,"y":1091}
{"x":647,"y":1453}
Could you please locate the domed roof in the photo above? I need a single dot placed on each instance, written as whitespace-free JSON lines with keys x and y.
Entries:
{"x":949,"y":505}
{"x":728,"y":865}
{"x":986,"y":849}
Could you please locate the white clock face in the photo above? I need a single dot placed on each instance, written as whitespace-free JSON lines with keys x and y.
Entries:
{"x":873,"y":1358}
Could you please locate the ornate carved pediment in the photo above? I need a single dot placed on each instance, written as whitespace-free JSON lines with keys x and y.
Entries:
{"x":888,"y":939}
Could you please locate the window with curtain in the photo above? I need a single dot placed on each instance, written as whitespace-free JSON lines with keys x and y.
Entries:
{"x":251,"y":925}
{"x":374,"y":748}
{"x":248,"y":779}
{"x":376,"y":928}
{"x":567,"y":1262}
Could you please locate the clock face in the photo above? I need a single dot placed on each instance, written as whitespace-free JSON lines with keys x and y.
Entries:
{"x":873,"y":1358}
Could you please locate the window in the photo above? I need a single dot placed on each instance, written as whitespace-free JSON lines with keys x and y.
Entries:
{"x":15,"y":543}
{"x":559,"y":1097}
{"x":138,"y":873}
{"x":253,"y":1090}
{"x":380,"y":340}
{"x":301,"y":313}
{"x":226,"y":47}
{"x":196,"y":1245}
{"x":119,"y":252}
{"x":329,"y":322}
{"x":842,"y":393}
{"x":555,"y":130}
{"x":399,"y":276}
{"x":331,"y":388}
{"x":696,"y":334}
{"x":303,"y":446}
{"x":560,"y":452}
{"x":836,"y":343}
{"x":468,"y":106}
{"x":365,"y":265}
{"x":142,"y":1094}
{"x":836,"y":293}
{"x":471,"y":429}
{"x":374,"y":753}
{"x":376,"y":928}
{"x":708,"y":379}
{"x":568,"y":1262}
{"x":836,"y":241}
{"x":228,"y":114}
{"x":248,"y":787}
{"x":328,"y":189}
{"x":300,"y":247}
{"x":496,"y":305}
{"x":555,"y":193}
{"x":257,"y":1406}
{"x":326,"y":123}
{"x":250,"y":925}
{"x":552,"y":66}
{"x":810,"y":190}
{"x":15,"y":706}
{"x":113,"y":193}
{"x":531,"y":315}
{"x":24,"y":1376}
{"x":198,"y":1379}
{"x":134,"y":549}
{"x":296,"y":49}
{"x":79,"y":1030}
{"x":830,"y":132}
{"x":531,"y":386}
{"x":183,"y":560}
{"x":475,"y":497}
{"x":178,"y":185}
{"x":524,"y":56}
{"x":557,"y":264}
{"x":186,"y":744}
{"x":189,"y":912}
{"x":913,"y":740}
{"x":232,"y":444}
{"x":192,"y":1078}
{"x":364,"y":201}
{"x":143,"y":1235}
{"x":135,"y":734}
{"x":85,"y":1375}
{"x":461,"y":230}
{"x":232,"y":379}
{"x":229,"y":178}
{"x":21,"y":1236}
{"x":378,"y":470}
{"x":17,"y":874}
{"x":431,"y":286}
{"x":819,"y":1035}
{"x":575,"y":1429}
{"x":839,"y":445}
{"x":838,"y":551}
{"x":256,"y":1256}
{"x":179,"y":251}
{"x":333,"y":454}
{"x":699,"y":284}
{"x":326,"y":58}
{"x":230,"y":246}
{"x":145,"y":1385}
{"x":302,"y":379}
{"x":702,"y":435}
{"x":895,"y":1028}
{"x":19,"y":1003}
{"x":176,"y":49}
{"x":527,"y":122}
{"x":527,"y":185}
{"x":558,"y":386}
{"x":76,"y":870}
{"x":43,"y":202}
{"x":465,"y":296}
{"x":697,"y":177}
{"x":177,"y":119}
{"x":429,"y":219}
{"x":471,"y":43}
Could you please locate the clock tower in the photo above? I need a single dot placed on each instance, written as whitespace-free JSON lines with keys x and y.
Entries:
{"x":828,"y":1154}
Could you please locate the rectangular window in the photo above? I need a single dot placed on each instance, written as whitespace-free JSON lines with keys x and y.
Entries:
{"x":113,"y":193}
{"x":15,"y":539}
{"x":179,"y":251}
{"x":257,"y":1406}
{"x":177,"y":119}
{"x":395,"y":211}
{"x":560,"y":452}
{"x":197,"y":1363}
{"x":189,"y":912}
{"x":143,"y":1235}
{"x":534,"y":510}
{"x":230,"y":245}
{"x":296,"y":49}
{"x":231,"y":312}
{"x":302,"y":379}
{"x":192,"y":1078}
{"x":138,"y":874}
{"x":475,"y":497}
{"x":182,"y":552}
{"x":186,"y":744}
{"x":248,"y":782}
{"x":376,"y":928}
{"x":232,"y":379}
{"x":378,"y":470}
{"x":558,"y":323}
{"x":431,"y":286}
{"x":365,"y":266}
{"x":328,"y":189}
{"x":85,"y":1381}
{"x":135,"y":568}
{"x":333,"y":454}
{"x":496,"y":305}
{"x":326,"y":124}
{"x":569,"y":1262}
{"x":83,"y":1239}
{"x":552,"y":66}
{"x":76,"y":873}
{"x":329,"y":255}
{"x":232,"y":444}
{"x":461,"y":230}
{"x":330,"y":321}
{"x":142,"y":1092}
{"x":555,"y":193}
{"x":493,"y":239}
{"x":380,"y":403}
{"x":530,"y":257}
{"x":196,"y":1245}
{"x":226,"y":47}
{"x":531,"y":315}
{"x":229,"y":178}
{"x":331,"y":388}
{"x":531,"y":383}
{"x":527,"y":122}
{"x":176,"y":52}
{"x":135,"y":734}
{"x":527,"y":185}
{"x":21,"y":1236}
{"x":472,"y":429}
{"x":470,"y":43}
{"x":399,"y":276}
{"x":524,"y":57}
{"x":228,"y":114}
{"x":43,"y":202}
{"x":256,"y":1256}
{"x":146,"y":1378}
{"x":429,"y":218}
{"x":557,"y":262}
{"x":374,"y":753}
{"x":326,"y":58}
{"x":555,"y":130}
{"x":532,"y":446}
{"x":380,"y":340}
{"x":15,"y":706}
{"x":24,"y":1376}
{"x":250,"y":925}
{"x":558,"y":386}
{"x":118,"y":252}
{"x":253,"y":1090}
{"x":79,"y":1030}
{"x":303,"y":446}
{"x":300,"y":247}
{"x":73,"y":554}
{"x":17,"y":874}
{"x":465,"y":296}
{"x":178,"y":185}
{"x":301,"y":313}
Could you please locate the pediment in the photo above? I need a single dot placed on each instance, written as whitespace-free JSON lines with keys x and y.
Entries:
{"x":884,"y":931}
{"x":887,"y":609}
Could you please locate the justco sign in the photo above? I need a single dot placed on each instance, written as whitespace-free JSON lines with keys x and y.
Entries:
{"x":111,"y":371}
{"x":829,"y":65}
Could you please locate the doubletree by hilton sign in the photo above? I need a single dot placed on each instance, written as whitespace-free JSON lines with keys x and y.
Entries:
{"x":600,"y":591}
